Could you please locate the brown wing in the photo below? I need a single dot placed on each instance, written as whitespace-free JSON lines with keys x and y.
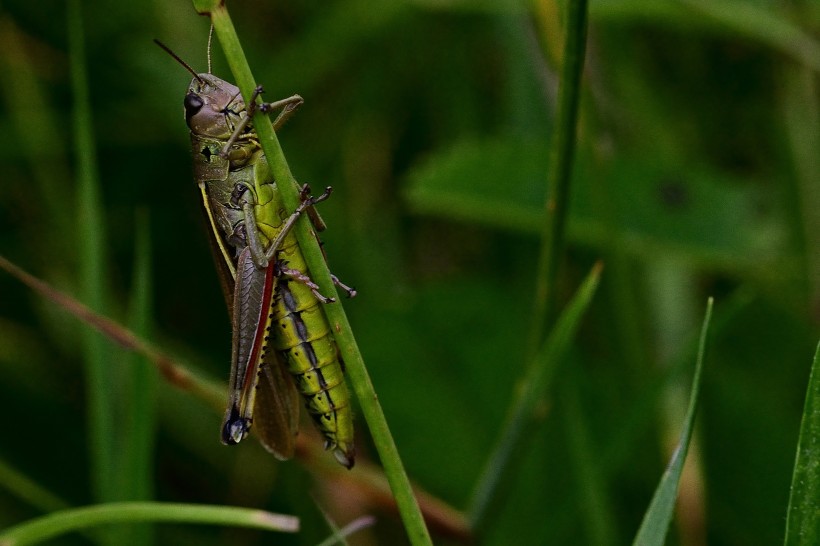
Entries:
{"x":276,"y":419}
{"x":262,"y":396}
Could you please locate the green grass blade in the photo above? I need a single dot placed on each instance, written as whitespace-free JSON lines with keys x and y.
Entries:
{"x":655,"y":524}
{"x":531,"y":388}
{"x":803,"y":519}
{"x":100,"y":395}
{"x":559,"y":175}
{"x":138,"y":438}
{"x":360,"y":380}
{"x":75,"y":519}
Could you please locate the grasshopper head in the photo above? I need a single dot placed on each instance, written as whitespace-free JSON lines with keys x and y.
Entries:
{"x":213,"y":107}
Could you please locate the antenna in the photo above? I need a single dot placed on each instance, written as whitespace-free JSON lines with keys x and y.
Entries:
{"x":180,"y":61}
{"x":210,"y":37}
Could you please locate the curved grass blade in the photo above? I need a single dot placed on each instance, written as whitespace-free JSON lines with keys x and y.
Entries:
{"x":803,"y":519}
{"x":75,"y":519}
{"x":655,"y":524}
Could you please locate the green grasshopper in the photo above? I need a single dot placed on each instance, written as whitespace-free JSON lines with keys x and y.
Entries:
{"x":282,"y":340}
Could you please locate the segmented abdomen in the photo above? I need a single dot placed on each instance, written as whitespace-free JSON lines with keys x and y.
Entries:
{"x":302,"y":336}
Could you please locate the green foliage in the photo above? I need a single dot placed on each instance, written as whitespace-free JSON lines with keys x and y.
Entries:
{"x":695,"y":175}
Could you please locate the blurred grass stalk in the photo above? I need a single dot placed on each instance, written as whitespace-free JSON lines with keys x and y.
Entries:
{"x":544,"y":360}
{"x":382,"y":438}
{"x":120,"y":399}
{"x":139,"y":412}
{"x":559,"y":176}
{"x":97,"y":352}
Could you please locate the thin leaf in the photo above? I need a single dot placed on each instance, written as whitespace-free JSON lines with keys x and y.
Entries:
{"x":658,"y":516}
{"x":803,"y":519}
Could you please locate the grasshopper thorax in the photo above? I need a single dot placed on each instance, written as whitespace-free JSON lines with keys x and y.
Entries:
{"x":213,"y":107}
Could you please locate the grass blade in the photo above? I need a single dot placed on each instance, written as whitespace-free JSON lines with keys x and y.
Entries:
{"x":75,"y":519}
{"x":139,"y":414}
{"x":655,"y":524}
{"x":559,"y":176}
{"x":803,"y":519}
{"x":99,"y":376}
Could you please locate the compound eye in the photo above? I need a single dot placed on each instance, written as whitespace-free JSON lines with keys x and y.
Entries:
{"x":193,"y":104}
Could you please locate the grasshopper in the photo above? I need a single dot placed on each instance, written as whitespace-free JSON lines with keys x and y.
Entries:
{"x":282,"y":341}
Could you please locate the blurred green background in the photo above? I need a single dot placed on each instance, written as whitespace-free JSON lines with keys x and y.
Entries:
{"x":697,"y":174}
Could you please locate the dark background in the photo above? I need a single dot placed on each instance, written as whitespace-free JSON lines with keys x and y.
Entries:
{"x":696,"y":174}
